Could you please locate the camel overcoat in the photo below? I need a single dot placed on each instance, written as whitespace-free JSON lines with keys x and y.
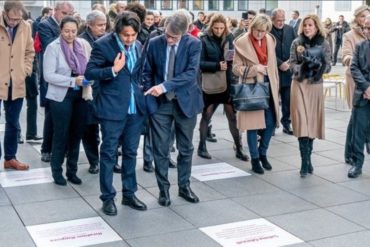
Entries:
{"x":350,"y":39}
{"x":245,"y":56}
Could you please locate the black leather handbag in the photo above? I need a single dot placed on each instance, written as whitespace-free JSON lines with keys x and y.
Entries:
{"x":250,"y":96}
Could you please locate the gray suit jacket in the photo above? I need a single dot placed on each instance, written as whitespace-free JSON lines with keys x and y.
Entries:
{"x":57,"y":73}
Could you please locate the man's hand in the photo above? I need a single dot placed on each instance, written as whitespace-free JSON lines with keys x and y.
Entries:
{"x":223,"y":65}
{"x":119,"y":62}
{"x":79,"y":80}
{"x":284,"y":66}
{"x":367,"y":93}
{"x":155,"y":91}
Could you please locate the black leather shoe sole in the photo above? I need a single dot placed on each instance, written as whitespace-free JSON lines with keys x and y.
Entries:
{"x":148,"y":169}
{"x":242,"y":157}
{"x":288,"y":132}
{"x":94,"y":170}
{"x":133,"y":205}
{"x":75,"y":180}
{"x":165,"y":202}
{"x":60,"y":181}
{"x":109,"y":209}
{"x":204,"y":155}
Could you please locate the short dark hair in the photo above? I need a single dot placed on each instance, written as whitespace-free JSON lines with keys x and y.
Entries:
{"x":127,"y":18}
{"x":138,"y":9}
{"x":296,"y":12}
{"x":201,"y":13}
{"x":46,"y":10}
{"x":68,"y":19}
{"x":149,"y":12}
{"x":251,"y":12}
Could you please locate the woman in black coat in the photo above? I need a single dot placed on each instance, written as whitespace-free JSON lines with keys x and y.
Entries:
{"x":217,"y":55}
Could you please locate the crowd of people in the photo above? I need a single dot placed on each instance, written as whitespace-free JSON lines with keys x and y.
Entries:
{"x":130,"y":71}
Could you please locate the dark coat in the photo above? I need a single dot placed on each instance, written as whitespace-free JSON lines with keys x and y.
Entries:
{"x":340,"y":31}
{"x":360,"y":71}
{"x":283,"y":52}
{"x":113,"y":99}
{"x":184,"y":83}
{"x":48,"y":30}
{"x":144,"y":33}
{"x":296,"y":26}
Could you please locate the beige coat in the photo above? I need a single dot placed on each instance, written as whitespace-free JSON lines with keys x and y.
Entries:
{"x":350,"y":39}
{"x":15,"y":59}
{"x":307,"y":99}
{"x":245,"y":56}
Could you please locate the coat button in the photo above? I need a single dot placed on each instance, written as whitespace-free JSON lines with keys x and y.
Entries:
{"x":11,"y":56}
{"x":11,"y":70}
{"x":6,"y":84}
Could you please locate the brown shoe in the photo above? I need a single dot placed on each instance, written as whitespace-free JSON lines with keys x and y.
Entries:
{"x":15,"y":164}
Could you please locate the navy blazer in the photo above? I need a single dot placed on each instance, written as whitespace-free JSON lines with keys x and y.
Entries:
{"x":48,"y":30}
{"x":114,"y":95}
{"x":184,"y":83}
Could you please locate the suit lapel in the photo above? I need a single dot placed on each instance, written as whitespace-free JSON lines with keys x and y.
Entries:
{"x":162,"y":54}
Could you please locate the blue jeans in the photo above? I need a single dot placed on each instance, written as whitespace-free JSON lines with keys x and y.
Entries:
{"x":12,"y":112}
{"x":266,"y":134}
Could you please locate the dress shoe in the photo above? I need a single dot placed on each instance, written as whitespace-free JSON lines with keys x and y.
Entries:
{"x":16,"y":165}
{"x":256,"y":166}
{"x":45,"y":157}
{"x":117,"y":168}
{"x":288,"y":130}
{"x":94,"y":169}
{"x":33,"y":138}
{"x":74,"y":179}
{"x":348,"y":161}
{"x":134,"y":203}
{"x":265,"y":163}
{"x":188,"y":195}
{"x":172,"y":164}
{"x":109,"y":207}
{"x":60,"y":180}
{"x":367,"y":147}
{"x":354,"y":171}
{"x":148,"y":166}
{"x":20,"y":140}
{"x":164,"y":198}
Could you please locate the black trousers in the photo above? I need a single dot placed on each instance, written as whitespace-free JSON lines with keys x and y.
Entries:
{"x":161,"y":123}
{"x":69,"y":118}
{"x":360,"y":123}
{"x":31,"y":98}
{"x":336,"y":49}
{"x":90,"y":141}
{"x":48,"y":130}
{"x":285,"y":106}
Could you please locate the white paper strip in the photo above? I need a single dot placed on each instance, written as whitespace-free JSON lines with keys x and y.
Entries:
{"x":21,"y":178}
{"x":216,"y":171}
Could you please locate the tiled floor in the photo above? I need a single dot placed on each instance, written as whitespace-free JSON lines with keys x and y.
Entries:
{"x":324,"y":209}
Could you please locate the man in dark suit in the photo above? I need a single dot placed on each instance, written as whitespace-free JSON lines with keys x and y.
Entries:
{"x":115,"y":62}
{"x":295,"y":21}
{"x":284,"y":35}
{"x":340,"y":28}
{"x":173,"y":96}
{"x":360,"y":70}
{"x":49,"y":30}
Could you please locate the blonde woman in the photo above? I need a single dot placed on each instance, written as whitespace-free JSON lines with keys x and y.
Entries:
{"x":309,"y":59}
{"x":256,"y":58}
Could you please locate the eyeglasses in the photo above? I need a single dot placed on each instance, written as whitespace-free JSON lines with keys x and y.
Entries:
{"x":13,"y":20}
{"x":175,"y":38}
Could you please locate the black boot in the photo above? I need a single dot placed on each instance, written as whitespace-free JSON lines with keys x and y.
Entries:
{"x":355,"y":171}
{"x":210,"y":135}
{"x":239,"y":153}
{"x":310,"y":147}
{"x":304,"y":149}
{"x":202,"y":150}
{"x":256,"y":166}
{"x":265,"y":163}
{"x":368,"y":147}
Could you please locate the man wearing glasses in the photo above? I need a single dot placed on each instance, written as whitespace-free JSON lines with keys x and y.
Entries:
{"x":173,"y":96}
{"x":49,"y":31}
{"x":17,"y":54}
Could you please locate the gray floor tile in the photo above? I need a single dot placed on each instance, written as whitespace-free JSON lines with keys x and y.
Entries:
{"x":54,"y":211}
{"x":275,"y":203}
{"x":337,"y":154}
{"x":4,"y":200}
{"x":112,"y":244}
{"x":192,"y":238}
{"x":291,"y":180}
{"x":360,"y":185}
{"x":356,"y":212}
{"x":214,"y":213}
{"x":357,"y":239}
{"x":39,"y":192}
{"x":12,"y":231}
{"x":295,"y":160}
{"x":314,"y":224}
{"x":337,"y":173}
{"x":329,"y":195}
{"x":241,"y":186}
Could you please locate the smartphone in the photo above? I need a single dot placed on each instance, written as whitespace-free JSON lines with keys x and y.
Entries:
{"x":230,"y":55}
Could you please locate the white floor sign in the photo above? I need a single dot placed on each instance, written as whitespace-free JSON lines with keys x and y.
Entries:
{"x":82,"y":232}
{"x":21,"y":178}
{"x":216,"y":171}
{"x":250,"y":233}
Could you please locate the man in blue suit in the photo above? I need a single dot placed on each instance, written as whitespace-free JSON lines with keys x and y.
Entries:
{"x":173,"y":95}
{"x":120,"y":107}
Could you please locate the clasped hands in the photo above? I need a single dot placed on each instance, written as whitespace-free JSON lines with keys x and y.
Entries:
{"x":311,"y":63}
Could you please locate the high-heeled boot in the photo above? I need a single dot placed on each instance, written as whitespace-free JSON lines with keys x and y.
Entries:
{"x":202,"y":150}
{"x":310,"y":147}
{"x":304,"y":149}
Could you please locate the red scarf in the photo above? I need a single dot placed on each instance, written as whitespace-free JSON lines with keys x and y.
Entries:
{"x":260,"y":50}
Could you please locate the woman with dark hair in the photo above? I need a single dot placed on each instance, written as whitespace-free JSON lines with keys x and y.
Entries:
{"x":217,"y":44}
{"x":309,"y":59}
{"x":64,"y":65}
{"x":120,"y":107}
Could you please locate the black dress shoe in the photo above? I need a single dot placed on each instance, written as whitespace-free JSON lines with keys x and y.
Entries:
{"x":348,"y":161}
{"x":148,"y":166}
{"x":109,"y":207}
{"x":117,"y":168}
{"x":172,"y":164}
{"x":256,"y":166}
{"x":355,"y":171}
{"x":45,"y":157}
{"x":164,"y":198}
{"x":288,"y":130}
{"x":265,"y":163}
{"x":74,"y":179}
{"x":94,"y":169}
{"x":20,"y":140}
{"x":60,"y":180}
{"x":33,"y":138}
{"x":188,"y":195}
{"x":134,"y":203}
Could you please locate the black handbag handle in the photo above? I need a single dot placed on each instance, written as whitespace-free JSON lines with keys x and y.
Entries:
{"x":245,"y":73}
